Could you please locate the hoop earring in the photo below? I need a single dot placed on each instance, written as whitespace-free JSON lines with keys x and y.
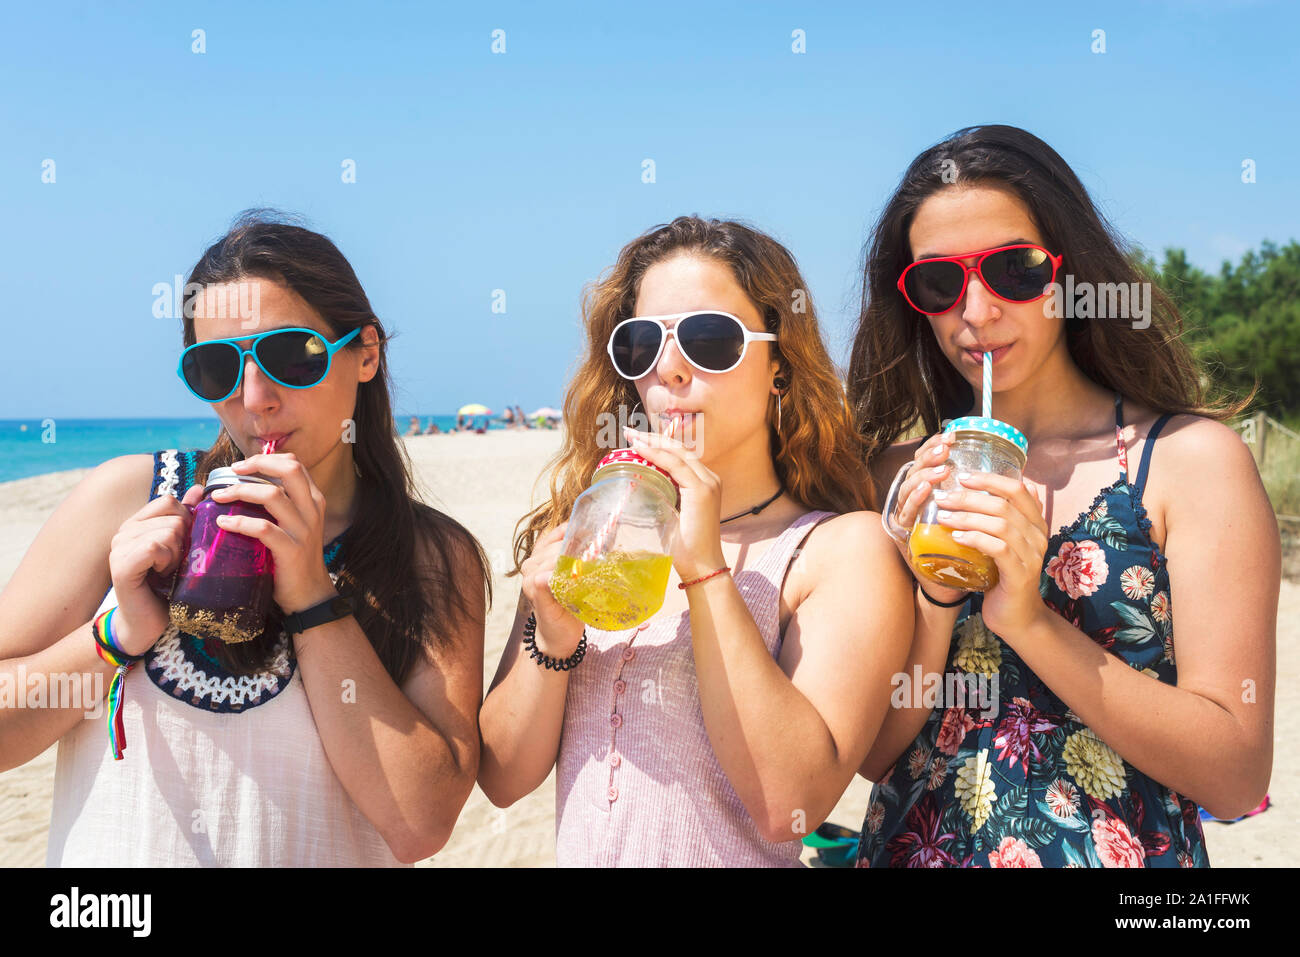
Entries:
{"x":779,"y":384}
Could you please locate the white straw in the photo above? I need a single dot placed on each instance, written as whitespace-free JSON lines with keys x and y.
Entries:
{"x":988,"y":385}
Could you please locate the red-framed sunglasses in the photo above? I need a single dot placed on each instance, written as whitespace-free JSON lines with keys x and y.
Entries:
{"x":1018,"y":273}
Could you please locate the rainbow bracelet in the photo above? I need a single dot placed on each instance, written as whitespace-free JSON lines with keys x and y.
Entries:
{"x":106,"y":646}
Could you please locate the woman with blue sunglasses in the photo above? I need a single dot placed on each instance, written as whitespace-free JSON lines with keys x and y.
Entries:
{"x":345,"y":733}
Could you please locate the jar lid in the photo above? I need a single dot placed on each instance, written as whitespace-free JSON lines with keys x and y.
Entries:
{"x":628,"y":457}
{"x":222,"y":477}
{"x":977,"y":423}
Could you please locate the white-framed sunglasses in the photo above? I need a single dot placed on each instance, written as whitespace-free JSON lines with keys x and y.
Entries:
{"x":711,"y":341}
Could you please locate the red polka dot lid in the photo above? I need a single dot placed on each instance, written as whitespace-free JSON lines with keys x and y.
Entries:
{"x":628,"y":457}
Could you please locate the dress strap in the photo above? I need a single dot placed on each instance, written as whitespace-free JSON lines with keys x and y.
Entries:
{"x":173,"y":472}
{"x":1121,"y":450}
{"x":1146,"y":450}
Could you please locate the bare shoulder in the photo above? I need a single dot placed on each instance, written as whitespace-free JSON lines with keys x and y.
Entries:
{"x":851,"y":544}
{"x":65,"y":572}
{"x":97,"y":506}
{"x":1198,"y":467}
{"x":114,"y":490}
{"x":1193,"y":445}
{"x":858,"y":533}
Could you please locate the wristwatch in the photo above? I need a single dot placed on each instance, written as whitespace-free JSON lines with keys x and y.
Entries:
{"x":340,"y":606}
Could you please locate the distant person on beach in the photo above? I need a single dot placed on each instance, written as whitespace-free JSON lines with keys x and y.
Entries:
{"x":729,"y":724}
{"x":342,"y":736}
{"x":521,"y":418}
{"x":432,"y":428}
{"x":414,"y":427}
{"x":1108,"y":726}
{"x":508,"y":417}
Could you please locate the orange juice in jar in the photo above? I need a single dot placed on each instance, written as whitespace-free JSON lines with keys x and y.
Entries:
{"x":979,"y":445}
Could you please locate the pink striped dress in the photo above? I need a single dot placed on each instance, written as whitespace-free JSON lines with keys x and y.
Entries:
{"x":637,"y":782}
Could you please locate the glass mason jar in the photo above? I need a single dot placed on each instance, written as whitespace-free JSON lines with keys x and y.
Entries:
{"x":223,"y":588}
{"x":979,"y":445}
{"x":613,"y":571}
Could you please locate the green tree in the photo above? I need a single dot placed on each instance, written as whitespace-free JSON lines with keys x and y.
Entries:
{"x":1243,"y":323}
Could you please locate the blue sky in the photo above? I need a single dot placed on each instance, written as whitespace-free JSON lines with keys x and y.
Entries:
{"x":521,"y":171}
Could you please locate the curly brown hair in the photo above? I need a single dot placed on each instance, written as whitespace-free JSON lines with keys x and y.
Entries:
{"x":817,"y":455}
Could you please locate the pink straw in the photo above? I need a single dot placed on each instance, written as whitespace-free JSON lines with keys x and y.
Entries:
{"x":268,"y":447}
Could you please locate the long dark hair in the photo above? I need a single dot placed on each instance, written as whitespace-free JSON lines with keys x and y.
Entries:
{"x":399,"y":555}
{"x":815,"y":452}
{"x":897,"y":372}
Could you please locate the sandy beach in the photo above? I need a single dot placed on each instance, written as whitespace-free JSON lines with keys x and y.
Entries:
{"x":487,"y":482}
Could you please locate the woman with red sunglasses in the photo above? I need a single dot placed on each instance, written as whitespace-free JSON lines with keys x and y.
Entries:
{"x":727,"y":726}
{"x":1105,"y":732}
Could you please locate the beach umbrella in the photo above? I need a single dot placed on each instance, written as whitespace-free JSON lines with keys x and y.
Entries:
{"x":474,"y":408}
{"x":546,"y":412}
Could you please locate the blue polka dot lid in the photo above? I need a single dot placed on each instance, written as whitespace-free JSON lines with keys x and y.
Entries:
{"x":978,"y":423}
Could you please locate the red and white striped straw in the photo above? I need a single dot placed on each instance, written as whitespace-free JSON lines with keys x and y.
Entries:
{"x":597,"y":543}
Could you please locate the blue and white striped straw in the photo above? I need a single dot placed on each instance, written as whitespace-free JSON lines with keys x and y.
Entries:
{"x":988,"y":385}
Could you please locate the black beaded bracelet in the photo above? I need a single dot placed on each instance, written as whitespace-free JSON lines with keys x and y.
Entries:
{"x":942,"y":604}
{"x":554,"y":664}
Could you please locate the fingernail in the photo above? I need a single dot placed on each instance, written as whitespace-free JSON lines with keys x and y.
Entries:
{"x":940,"y":469}
{"x":940,"y":494}
{"x":963,"y":477}
{"x":944,"y":515}
{"x":958,"y":535}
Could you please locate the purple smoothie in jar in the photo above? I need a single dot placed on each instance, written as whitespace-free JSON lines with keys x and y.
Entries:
{"x":223,"y":590}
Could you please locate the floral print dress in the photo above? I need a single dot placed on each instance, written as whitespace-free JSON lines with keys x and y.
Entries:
{"x":1030,"y":785}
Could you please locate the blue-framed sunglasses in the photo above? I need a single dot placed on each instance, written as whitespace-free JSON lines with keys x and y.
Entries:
{"x":294,"y":358}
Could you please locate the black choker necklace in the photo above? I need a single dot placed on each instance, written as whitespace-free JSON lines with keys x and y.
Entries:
{"x":756,"y":509}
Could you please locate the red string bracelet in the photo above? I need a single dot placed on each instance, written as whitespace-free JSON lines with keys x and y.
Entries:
{"x":704,"y":578}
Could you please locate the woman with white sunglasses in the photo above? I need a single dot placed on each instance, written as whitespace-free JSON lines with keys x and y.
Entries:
{"x":728,"y":725}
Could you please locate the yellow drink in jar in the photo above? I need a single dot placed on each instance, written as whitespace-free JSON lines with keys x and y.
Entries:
{"x":616,"y":591}
{"x":938,"y":557}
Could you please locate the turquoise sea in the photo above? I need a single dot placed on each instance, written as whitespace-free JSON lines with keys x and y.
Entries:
{"x":36,"y":446}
